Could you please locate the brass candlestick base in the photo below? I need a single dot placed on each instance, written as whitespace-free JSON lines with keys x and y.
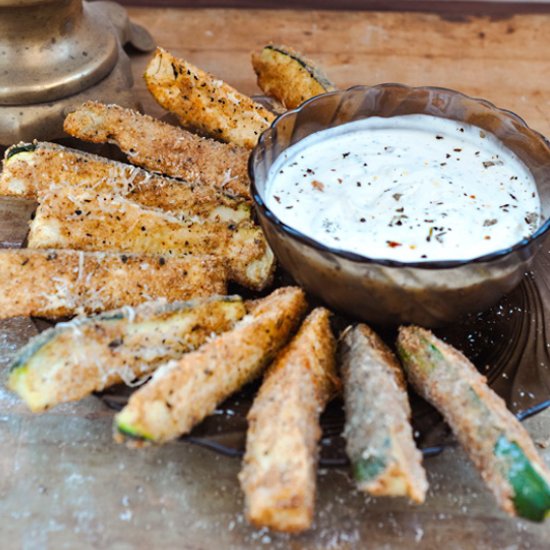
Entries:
{"x":55,"y":54}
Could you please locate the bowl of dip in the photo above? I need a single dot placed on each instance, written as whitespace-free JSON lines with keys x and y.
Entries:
{"x":398,"y":205}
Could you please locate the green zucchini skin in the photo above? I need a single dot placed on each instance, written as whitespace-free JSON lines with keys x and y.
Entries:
{"x":531,"y":489}
{"x":71,"y":360}
{"x":368,"y":469}
{"x":19,"y":148}
{"x":492,"y":436}
{"x":314,"y":71}
{"x":288,"y":76}
{"x":379,"y":438}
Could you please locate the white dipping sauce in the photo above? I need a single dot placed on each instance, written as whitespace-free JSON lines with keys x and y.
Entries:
{"x":409,"y":188}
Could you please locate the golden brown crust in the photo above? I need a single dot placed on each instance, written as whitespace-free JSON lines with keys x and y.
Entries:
{"x":85,"y":220}
{"x":56,"y":283}
{"x":288,"y":76}
{"x":279,"y":469}
{"x":201,"y":101}
{"x":35,"y":173}
{"x":181,"y":393}
{"x":163,"y":148}
{"x":71,"y":360}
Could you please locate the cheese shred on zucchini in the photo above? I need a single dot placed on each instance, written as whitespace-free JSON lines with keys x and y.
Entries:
{"x":181,"y":393}
{"x":73,"y":359}
{"x":163,"y":148}
{"x":86,"y":220}
{"x":57,"y":283}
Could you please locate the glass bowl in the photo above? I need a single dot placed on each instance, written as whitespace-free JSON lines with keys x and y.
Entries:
{"x":388,"y":292}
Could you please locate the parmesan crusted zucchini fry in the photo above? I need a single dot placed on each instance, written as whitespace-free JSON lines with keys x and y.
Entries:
{"x":202,"y":102}
{"x":163,"y":148}
{"x":280,"y":464}
{"x":497,"y":443}
{"x":32,"y":170}
{"x":71,"y":360}
{"x":379,"y":437}
{"x":83,"y":220}
{"x":56,"y":283}
{"x":288,"y":76}
{"x":181,"y":393}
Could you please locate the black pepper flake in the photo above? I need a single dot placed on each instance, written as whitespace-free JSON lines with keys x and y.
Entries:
{"x":488,"y":223}
{"x":402,"y":209}
{"x":423,"y":256}
{"x":117,"y":342}
{"x":345,"y":155}
{"x":439,"y":236}
{"x":78,"y":212}
{"x":362,"y":220}
{"x":457,"y":149}
{"x":397,"y":196}
{"x":488,"y":163}
{"x":438,"y":137}
{"x":513,"y":196}
{"x":162,"y":261}
{"x":277,"y":198}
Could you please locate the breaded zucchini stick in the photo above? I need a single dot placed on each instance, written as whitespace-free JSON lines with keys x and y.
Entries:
{"x":56,"y":283}
{"x":497,"y":443}
{"x":288,"y":76}
{"x":32,"y":170}
{"x":280,"y":464}
{"x":378,"y":433}
{"x":71,"y":360}
{"x":84,"y":220}
{"x":203,"y":102}
{"x":182,"y":393}
{"x":163,"y":148}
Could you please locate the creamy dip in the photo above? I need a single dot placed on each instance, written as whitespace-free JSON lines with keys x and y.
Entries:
{"x":408,"y":188}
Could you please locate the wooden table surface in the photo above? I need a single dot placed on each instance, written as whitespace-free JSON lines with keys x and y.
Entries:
{"x":65,"y":484}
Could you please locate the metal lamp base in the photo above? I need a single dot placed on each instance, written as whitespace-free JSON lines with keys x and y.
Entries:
{"x":36,"y":96}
